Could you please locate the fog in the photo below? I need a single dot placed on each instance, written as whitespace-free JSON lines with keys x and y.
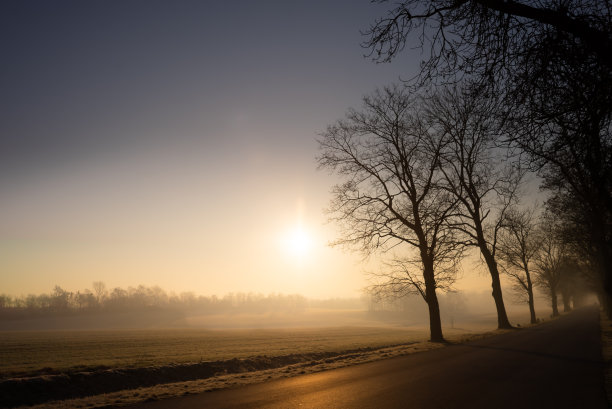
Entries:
{"x":153,"y":308}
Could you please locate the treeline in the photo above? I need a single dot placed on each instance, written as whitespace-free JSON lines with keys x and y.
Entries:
{"x":435,"y":169}
{"x":62,"y":302}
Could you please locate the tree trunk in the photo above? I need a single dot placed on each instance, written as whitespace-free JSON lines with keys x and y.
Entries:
{"x":502,"y":317}
{"x":532,"y":313}
{"x":566,"y":297}
{"x":435,"y":323}
{"x":553,"y":298}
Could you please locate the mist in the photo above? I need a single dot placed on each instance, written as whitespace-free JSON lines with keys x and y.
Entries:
{"x":152,"y":307}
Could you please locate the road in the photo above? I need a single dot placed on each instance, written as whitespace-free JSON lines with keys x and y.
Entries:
{"x":554,"y":365}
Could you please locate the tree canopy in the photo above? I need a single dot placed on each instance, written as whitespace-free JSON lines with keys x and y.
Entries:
{"x":549,"y":61}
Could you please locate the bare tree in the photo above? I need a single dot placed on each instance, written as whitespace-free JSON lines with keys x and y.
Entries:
{"x":99,"y":290}
{"x":484,"y":183}
{"x":486,"y":38}
{"x":551,"y":259}
{"x":570,"y":282}
{"x":403,"y":276}
{"x":391,"y":197}
{"x":518,"y":245}
{"x":551,"y":60}
{"x":565,"y":126}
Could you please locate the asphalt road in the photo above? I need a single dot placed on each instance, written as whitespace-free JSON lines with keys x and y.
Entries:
{"x":554,"y":365}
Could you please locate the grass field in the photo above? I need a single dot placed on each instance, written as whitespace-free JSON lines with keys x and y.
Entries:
{"x":151,"y":364}
{"x":28,"y":353}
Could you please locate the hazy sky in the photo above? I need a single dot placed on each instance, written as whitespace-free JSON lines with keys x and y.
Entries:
{"x":173,"y":143}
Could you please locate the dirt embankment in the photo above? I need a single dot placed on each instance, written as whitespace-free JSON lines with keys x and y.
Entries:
{"x":44,"y":388}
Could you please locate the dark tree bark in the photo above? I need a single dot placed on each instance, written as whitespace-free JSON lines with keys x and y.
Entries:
{"x":435,"y":323}
{"x":553,"y":300}
{"x":502,"y":316}
{"x":532,"y":313}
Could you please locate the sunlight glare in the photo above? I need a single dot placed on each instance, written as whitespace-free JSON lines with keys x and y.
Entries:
{"x":298,"y":243}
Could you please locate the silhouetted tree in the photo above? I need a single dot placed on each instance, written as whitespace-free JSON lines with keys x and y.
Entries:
{"x":454,"y":304}
{"x":550,"y":260}
{"x":551,"y":62}
{"x":482,"y":181}
{"x":391,"y":195}
{"x":518,"y":245}
{"x":118,"y":299}
{"x":60,"y":299}
{"x":6,"y":301}
{"x":570,"y":276}
{"x":99,"y":290}
{"x":562,"y":117}
{"x":575,"y":230}
{"x":486,"y":38}
{"x":403,"y":276}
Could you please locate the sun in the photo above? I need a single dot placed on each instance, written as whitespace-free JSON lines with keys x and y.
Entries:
{"x":297,"y":243}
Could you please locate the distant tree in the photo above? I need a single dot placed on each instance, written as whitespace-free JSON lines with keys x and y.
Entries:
{"x":31,"y":302}
{"x":99,"y":289}
{"x":570,"y":282}
{"x":158,"y":296}
{"x":188,"y":299}
{"x":139,"y":297}
{"x":551,"y":259}
{"x":142,"y":298}
{"x":519,"y":244}
{"x":118,"y":299}
{"x":391,"y":194}
{"x":60,"y":299}
{"x":6,"y":301}
{"x":85,"y":300}
{"x":454,"y":303}
{"x":484,"y":183}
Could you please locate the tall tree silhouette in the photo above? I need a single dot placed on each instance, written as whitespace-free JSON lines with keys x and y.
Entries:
{"x":562,"y":118}
{"x":551,"y":259}
{"x":519,"y":244}
{"x":484,"y":185}
{"x":392,"y":197}
{"x":551,"y":62}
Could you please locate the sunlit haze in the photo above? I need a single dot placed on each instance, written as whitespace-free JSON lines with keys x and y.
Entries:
{"x":174,"y":144}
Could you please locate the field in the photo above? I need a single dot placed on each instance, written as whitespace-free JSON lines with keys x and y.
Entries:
{"x":87,"y":368}
{"x":29,"y":353}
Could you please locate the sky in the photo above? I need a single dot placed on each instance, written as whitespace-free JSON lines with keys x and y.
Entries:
{"x":173,"y":143}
